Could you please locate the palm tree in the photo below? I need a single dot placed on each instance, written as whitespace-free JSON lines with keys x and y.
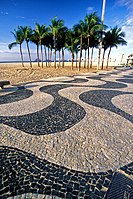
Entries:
{"x":94,"y":41}
{"x":85,"y":47}
{"x":76,"y":50}
{"x":71,"y":44}
{"x":93,"y":23}
{"x":35,"y":39}
{"x":58,"y":48}
{"x":61,"y":41}
{"x":50,"y":45}
{"x":41,"y":32}
{"x":44,"y":41}
{"x":19,"y":40}
{"x":116,"y":38}
{"x":27,"y":33}
{"x":79,"y":29}
{"x":54,"y":28}
{"x":105,"y":44}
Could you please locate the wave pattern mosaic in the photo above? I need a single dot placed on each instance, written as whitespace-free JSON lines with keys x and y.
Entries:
{"x":69,"y":138}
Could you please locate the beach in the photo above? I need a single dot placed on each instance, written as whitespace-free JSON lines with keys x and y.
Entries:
{"x":16,"y":74}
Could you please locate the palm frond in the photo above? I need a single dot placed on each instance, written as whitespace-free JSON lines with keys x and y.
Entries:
{"x":10,"y":46}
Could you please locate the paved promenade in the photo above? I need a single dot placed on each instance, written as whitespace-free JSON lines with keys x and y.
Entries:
{"x":68,"y":137}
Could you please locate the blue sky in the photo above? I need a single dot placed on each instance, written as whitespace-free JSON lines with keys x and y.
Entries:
{"x":28,"y":12}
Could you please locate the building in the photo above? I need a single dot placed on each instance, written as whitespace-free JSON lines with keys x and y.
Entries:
{"x":130,"y":60}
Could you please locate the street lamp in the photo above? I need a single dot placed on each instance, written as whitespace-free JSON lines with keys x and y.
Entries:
{"x":100,"y":46}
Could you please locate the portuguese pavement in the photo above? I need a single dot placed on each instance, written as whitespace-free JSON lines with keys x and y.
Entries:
{"x":68,"y":137}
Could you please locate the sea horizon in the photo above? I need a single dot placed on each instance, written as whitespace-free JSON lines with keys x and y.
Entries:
{"x":34,"y":61}
{"x":21,"y":61}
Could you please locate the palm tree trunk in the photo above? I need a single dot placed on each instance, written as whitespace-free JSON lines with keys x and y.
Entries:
{"x":48,"y":56}
{"x":91,"y":57}
{"x":88,"y":64}
{"x":29,"y":53}
{"x":45,"y":55}
{"x":21,"y":55}
{"x":42,"y":55}
{"x":59,"y":59}
{"x":103,"y":59}
{"x":37,"y":47}
{"x":72,"y":60}
{"x":108,"y":57}
{"x":55,"y":52}
{"x":76,"y":60}
{"x":85,"y":60}
{"x":80,"y":53}
{"x":62,"y":58}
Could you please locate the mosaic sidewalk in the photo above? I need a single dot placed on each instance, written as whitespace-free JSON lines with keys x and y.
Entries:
{"x":68,"y":137}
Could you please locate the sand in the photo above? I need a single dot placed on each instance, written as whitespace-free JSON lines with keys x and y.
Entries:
{"x":16,"y":74}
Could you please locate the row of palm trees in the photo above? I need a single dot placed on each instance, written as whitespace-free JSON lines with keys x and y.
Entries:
{"x":57,"y":37}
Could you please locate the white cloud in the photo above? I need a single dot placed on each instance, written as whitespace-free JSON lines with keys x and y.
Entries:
{"x":21,"y":17}
{"x":14,"y":3}
{"x":130,"y":19}
{"x":127,"y":3}
{"x":90,"y":9}
{"x":4,"y":13}
{"x":129,"y":33}
{"x":127,"y":26}
{"x":3,"y":44}
{"x":129,"y":6}
{"x":14,"y":54}
{"x":117,"y":53}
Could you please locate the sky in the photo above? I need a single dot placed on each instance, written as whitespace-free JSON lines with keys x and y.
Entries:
{"x":29,"y":12}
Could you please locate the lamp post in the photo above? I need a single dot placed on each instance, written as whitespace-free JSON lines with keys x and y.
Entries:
{"x":100,"y":46}
{"x":103,"y":11}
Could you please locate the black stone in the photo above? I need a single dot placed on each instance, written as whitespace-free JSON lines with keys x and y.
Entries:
{"x":130,"y":81}
{"x":15,"y":96}
{"x":76,"y":80}
{"x":102,"y":99}
{"x":121,"y":187}
{"x":40,"y":182}
{"x":128,"y":76}
{"x":59,"y":116}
